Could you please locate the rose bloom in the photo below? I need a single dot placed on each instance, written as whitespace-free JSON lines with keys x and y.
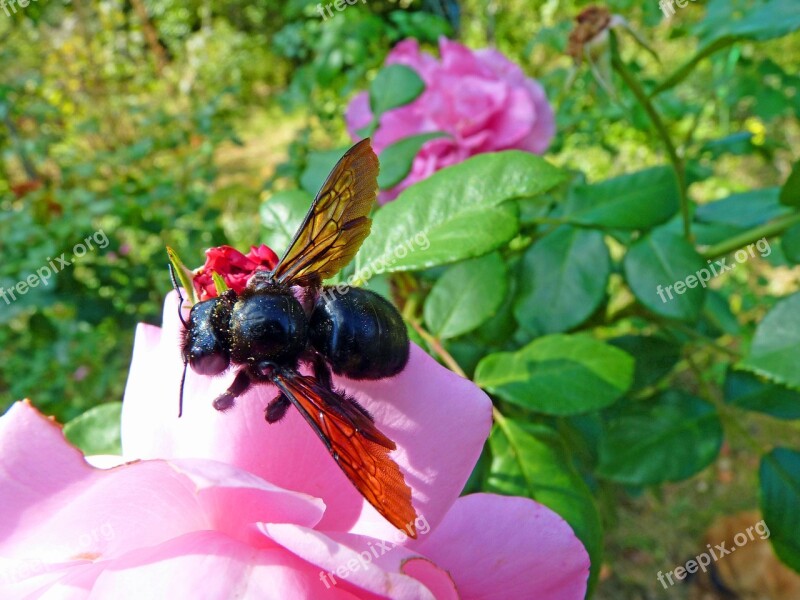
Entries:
{"x":483,"y":101}
{"x":234,"y":267}
{"x":216,"y":505}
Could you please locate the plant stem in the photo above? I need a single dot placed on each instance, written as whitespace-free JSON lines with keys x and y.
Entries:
{"x":661,"y":129}
{"x":771,"y":229}
{"x":437,"y":347}
{"x":711,"y":343}
{"x":683,"y":71}
{"x":501,"y":421}
{"x":725,"y":412}
{"x":27,"y":164}
{"x":451,"y":363}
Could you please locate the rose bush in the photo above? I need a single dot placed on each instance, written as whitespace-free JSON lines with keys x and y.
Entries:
{"x":480,"y":99}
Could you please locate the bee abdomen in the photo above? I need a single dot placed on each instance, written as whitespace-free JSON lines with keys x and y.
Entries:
{"x":360,"y":333}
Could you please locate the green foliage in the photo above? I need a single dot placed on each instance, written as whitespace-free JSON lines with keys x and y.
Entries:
{"x":282,"y":216}
{"x":780,"y":495}
{"x":318,"y":165}
{"x":790,"y":192}
{"x":568,"y":274}
{"x":393,"y":86}
{"x":667,"y":438}
{"x":662,"y":259}
{"x":776,"y":344}
{"x":558,"y":375}
{"x":751,"y":393}
{"x":635,"y":201}
{"x":532,"y":460}
{"x":445,"y":208}
{"x":396,"y":159}
{"x":97,"y":430}
{"x":332,"y":56}
{"x":466,"y":296}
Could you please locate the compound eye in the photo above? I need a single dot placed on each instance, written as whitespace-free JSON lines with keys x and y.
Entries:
{"x":209,"y":364}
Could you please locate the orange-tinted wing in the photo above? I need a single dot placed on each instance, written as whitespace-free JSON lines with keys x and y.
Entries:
{"x":337,"y":221}
{"x":359,"y":448}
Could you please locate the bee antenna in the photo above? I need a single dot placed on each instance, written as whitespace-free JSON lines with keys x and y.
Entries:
{"x":183,"y":381}
{"x":180,"y":307}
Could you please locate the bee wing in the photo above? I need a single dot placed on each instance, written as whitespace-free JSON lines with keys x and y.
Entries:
{"x":356,"y":444}
{"x":336,"y":223}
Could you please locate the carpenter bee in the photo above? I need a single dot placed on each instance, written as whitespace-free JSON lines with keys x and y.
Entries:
{"x":285,"y":318}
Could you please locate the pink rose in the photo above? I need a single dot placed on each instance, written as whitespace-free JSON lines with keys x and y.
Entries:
{"x":233,"y":266}
{"x":480,"y":98}
{"x":218,"y":505}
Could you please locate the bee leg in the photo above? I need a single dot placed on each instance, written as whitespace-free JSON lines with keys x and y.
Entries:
{"x":322,"y":373}
{"x":239,"y":386}
{"x":321,"y":370}
{"x":277,"y":408}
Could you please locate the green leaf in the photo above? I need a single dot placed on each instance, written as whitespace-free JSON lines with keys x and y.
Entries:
{"x":763,"y":21}
{"x":502,"y":325}
{"x":790,"y":192}
{"x":638,"y":200}
{"x":790,"y":244}
{"x":456,"y":213}
{"x":466,"y":296}
{"x":318,"y":167}
{"x":532,"y":461}
{"x":563,"y":280}
{"x":737,"y":144}
{"x":780,"y":496}
{"x":393,"y":86}
{"x":184,"y":275}
{"x":655,"y":357}
{"x":281,"y":216}
{"x":396,"y":159}
{"x":747,"y":391}
{"x":97,"y":431}
{"x":667,"y":438}
{"x":776,"y":345}
{"x":718,"y":318}
{"x":744,"y":210}
{"x":658,"y":266}
{"x":558,"y":374}
{"x":219,"y":283}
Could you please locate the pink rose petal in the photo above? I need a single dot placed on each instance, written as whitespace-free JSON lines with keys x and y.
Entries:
{"x":426,"y":422}
{"x":498,"y":547}
{"x":358,"y":563}
{"x":208,"y":564}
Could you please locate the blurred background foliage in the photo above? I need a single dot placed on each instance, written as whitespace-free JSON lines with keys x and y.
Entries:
{"x":173,"y":123}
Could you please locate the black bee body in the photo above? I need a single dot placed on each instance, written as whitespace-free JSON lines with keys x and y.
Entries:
{"x":357,"y":333}
{"x":206,"y":337}
{"x":360,"y":334}
{"x":284,"y":319}
{"x":267,"y":327}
